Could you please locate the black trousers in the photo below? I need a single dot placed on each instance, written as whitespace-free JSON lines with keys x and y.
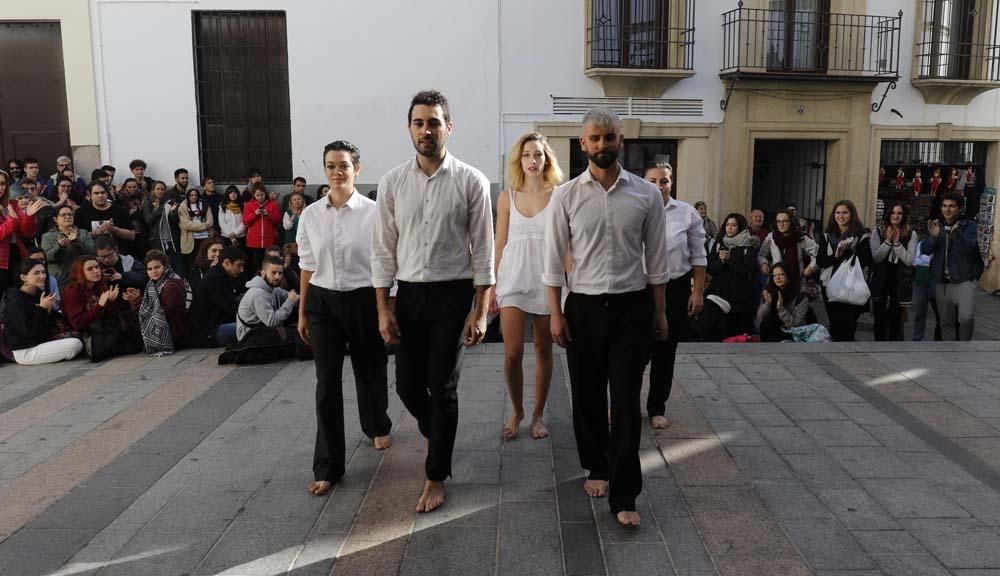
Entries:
{"x":610,"y":346}
{"x":431,"y":318}
{"x":843,"y":319}
{"x":663,"y":355}
{"x":335,"y":319}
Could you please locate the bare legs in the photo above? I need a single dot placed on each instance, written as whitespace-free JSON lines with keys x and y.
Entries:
{"x":512,"y":323}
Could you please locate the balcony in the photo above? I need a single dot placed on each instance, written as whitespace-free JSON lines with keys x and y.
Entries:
{"x":810,"y":45}
{"x":637,"y":48}
{"x":957,"y":55}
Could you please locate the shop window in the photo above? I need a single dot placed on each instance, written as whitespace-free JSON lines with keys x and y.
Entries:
{"x":241,"y":74}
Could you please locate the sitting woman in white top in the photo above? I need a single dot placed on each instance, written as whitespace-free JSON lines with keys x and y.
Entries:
{"x":31,"y":319}
{"x":532,"y":174}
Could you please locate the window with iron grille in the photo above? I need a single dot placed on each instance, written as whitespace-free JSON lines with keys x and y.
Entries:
{"x":649,"y":34}
{"x":960,"y":40}
{"x":241,"y":74}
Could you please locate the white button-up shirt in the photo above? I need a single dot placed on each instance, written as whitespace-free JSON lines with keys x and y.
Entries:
{"x":611,"y":235}
{"x":433,"y":228}
{"x":685,"y":238}
{"x":335,"y":244}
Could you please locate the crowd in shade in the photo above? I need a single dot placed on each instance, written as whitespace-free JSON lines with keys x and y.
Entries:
{"x":608,"y":265}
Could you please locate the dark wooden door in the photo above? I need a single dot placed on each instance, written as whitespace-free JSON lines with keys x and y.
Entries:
{"x":33,"y":117}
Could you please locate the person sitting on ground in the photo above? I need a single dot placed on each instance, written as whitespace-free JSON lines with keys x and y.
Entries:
{"x":213,"y":309}
{"x":121,"y":269}
{"x":64,"y":244}
{"x":291,"y":276}
{"x":161,"y":306}
{"x":51,"y":285}
{"x":265,"y":303}
{"x":208,"y":256}
{"x":231,"y":216}
{"x":731,"y":264}
{"x":30,"y":313}
{"x":93,"y":308}
{"x":783,"y":306}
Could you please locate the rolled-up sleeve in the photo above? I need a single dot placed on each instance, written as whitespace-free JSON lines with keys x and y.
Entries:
{"x":480,"y":231}
{"x":654,"y":238}
{"x":307,"y":260}
{"x":386,"y":236}
{"x":556,"y":240}
{"x":696,"y":240}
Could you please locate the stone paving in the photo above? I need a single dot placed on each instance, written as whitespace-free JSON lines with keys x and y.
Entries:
{"x":828,"y":459}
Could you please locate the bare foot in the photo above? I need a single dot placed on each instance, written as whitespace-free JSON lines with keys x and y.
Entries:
{"x":433,"y":496}
{"x":510,"y":429}
{"x":383,"y":442}
{"x":628,"y":518}
{"x":595,"y":488}
{"x":538,"y":429}
{"x":319,"y":488}
{"x":660,"y":422}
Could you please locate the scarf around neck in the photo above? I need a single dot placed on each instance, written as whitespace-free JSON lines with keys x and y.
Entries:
{"x":156,"y":337}
{"x":234,"y":207}
{"x":743,"y":239}
{"x":788,"y":246}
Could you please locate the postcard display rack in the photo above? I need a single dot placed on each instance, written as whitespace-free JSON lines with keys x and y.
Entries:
{"x":987,"y":203}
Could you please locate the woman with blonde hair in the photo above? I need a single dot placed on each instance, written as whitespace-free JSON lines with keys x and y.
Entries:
{"x":532,"y":173}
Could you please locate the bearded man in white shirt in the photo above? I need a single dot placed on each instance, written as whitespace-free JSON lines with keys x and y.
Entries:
{"x":611,"y":223}
{"x":434,"y":237}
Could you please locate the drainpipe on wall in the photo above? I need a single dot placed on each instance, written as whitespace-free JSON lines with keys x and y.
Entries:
{"x":97,"y":47}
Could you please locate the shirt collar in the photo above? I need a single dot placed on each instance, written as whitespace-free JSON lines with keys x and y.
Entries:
{"x":588,"y":177}
{"x":353,"y":201}
{"x":445,"y":165}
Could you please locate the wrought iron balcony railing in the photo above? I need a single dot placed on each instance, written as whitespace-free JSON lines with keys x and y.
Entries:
{"x":641,"y":34}
{"x":810,"y":44}
{"x":959,"y":40}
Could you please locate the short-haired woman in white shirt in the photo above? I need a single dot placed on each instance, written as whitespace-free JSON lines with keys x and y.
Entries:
{"x":532,"y":173}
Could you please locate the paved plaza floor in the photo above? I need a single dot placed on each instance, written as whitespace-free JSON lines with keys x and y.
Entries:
{"x":786,"y":459}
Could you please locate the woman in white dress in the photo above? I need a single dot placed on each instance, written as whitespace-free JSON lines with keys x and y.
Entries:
{"x":532,"y":174}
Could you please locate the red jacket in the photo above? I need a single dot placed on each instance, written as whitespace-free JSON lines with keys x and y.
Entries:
{"x":22,"y":227}
{"x":261,"y":231}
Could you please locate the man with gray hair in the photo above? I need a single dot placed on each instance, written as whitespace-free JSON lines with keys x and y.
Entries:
{"x":64,"y":163}
{"x":611,"y":223}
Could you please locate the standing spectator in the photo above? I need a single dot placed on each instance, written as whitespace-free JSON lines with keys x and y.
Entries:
{"x":99,"y":216}
{"x":119,"y":269}
{"x":711,"y":228}
{"x":298,"y":187}
{"x":231,"y":216}
{"x":179,"y":191}
{"x":30,"y":313}
{"x":685,"y":290}
{"x":894,"y":246}
{"x":290,"y":221}
{"x":31,"y":173}
{"x":254,"y":177}
{"x":260,"y":216}
{"x":533,"y":172}
{"x":782,"y":307}
{"x":15,"y":169}
{"x":212,"y":198}
{"x":93,"y":308}
{"x":616,"y":300}
{"x":16,"y":224}
{"x":138,"y":169}
{"x":955,"y":266}
{"x":164,"y":224}
{"x":434,"y":235}
{"x":213,"y":309}
{"x":731,"y":264}
{"x":195,"y":222}
{"x":845,"y":238}
{"x":63,"y":244}
{"x":788,"y":245}
{"x":923,"y":295}
{"x":208,"y":256}
{"x":756,"y":226}
{"x":322,"y":191}
{"x":132,"y":201}
{"x":162,"y":307}
{"x":64,"y":167}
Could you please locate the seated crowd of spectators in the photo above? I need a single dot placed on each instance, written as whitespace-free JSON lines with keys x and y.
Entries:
{"x":109,"y":270}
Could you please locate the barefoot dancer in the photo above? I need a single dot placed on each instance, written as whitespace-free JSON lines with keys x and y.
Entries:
{"x":338,"y":308}
{"x":520,"y":245}
{"x":610,"y":222}
{"x":686,"y":261}
{"x":434,"y":235}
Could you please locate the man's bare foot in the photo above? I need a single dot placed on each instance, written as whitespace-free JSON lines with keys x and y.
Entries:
{"x":383,"y":442}
{"x":538,"y":429}
{"x":510,"y":429}
{"x":595,"y":488}
{"x":319,"y":488}
{"x":628,"y":518}
{"x":660,"y":422}
{"x":433,"y":496}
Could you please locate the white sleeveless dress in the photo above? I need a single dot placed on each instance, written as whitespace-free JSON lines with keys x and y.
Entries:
{"x":519,"y":277}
